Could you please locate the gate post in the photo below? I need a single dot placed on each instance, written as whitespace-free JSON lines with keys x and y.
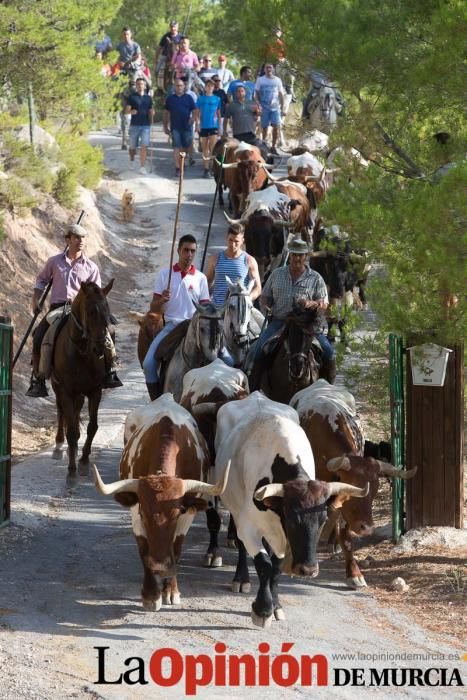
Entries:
{"x":396,"y":381}
{"x":6,"y":364}
{"x":435,"y":496}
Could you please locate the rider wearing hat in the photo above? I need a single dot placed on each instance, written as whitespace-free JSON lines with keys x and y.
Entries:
{"x":67,"y":270}
{"x":289,"y":284}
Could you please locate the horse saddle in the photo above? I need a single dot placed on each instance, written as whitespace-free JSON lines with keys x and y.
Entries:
{"x":170,"y":343}
{"x":56,"y":319}
{"x":272,"y":344}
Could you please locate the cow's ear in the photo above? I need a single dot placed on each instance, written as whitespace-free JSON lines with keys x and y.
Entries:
{"x":126,"y":499}
{"x":273,"y":503}
{"x":190,"y":501}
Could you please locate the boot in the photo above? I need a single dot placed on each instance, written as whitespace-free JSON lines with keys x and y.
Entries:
{"x":328,"y":370}
{"x":154,"y":390}
{"x":111,"y":381}
{"x":37,"y":388}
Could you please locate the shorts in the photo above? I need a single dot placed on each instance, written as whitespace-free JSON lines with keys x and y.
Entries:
{"x":182,"y":138}
{"x":204,"y":133}
{"x":270,"y":116}
{"x":139,"y":136}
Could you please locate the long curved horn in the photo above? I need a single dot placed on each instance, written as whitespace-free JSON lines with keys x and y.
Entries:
{"x":333,"y":465}
{"x":339,"y":488}
{"x":193,"y":486}
{"x":268,"y":491}
{"x":281,"y":222}
{"x":226,"y":166}
{"x":232,"y":221}
{"x":390,"y":470}
{"x":268,"y":166}
{"x":271,"y":177}
{"x":129,"y":485}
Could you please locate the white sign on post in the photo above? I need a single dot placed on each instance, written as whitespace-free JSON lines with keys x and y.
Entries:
{"x":429,"y":362}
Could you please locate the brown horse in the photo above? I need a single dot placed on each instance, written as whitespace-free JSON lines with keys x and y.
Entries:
{"x":294,"y":365}
{"x":79,"y":368}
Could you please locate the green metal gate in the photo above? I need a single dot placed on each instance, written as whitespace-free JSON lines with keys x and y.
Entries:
{"x":6,"y":357}
{"x":396,"y":376}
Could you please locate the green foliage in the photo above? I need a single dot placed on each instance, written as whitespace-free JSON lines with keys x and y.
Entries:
{"x":65,"y":188}
{"x":149,"y":21}
{"x":15,"y":197}
{"x":81,"y":159}
{"x":21,"y":159}
{"x":397,"y":64}
{"x":50,"y":47}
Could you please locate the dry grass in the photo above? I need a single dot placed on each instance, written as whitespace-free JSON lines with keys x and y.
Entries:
{"x":435,"y":575}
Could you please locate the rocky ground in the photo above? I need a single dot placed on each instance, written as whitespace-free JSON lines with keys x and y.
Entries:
{"x":69,"y":572}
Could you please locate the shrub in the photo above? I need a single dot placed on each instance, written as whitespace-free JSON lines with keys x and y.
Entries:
{"x":16,"y":196}
{"x":82,"y":159}
{"x":64,"y":187}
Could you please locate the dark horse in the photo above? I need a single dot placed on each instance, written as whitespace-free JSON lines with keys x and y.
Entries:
{"x":79,"y":368}
{"x":296,"y":362}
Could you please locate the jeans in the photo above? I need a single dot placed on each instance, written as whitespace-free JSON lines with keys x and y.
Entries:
{"x":150,"y":366}
{"x":276,"y":325}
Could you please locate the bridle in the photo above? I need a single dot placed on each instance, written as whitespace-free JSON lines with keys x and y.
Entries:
{"x":307,"y":357}
{"x":87,"y":343}
{"x":215,"y":335}
{"x":241,"y":340}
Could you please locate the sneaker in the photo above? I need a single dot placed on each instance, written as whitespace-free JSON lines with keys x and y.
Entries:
{"x":37,"y":389}
{"x":192,"y":161}
{"x":206,"y":174}
{"x":124,"y":147}
{"x":274,"y":151}
{"x":143,"y":170}
{"x":111,"y":381}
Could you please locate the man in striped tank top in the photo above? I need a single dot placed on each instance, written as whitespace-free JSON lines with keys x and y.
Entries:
{"x":233,"y":262}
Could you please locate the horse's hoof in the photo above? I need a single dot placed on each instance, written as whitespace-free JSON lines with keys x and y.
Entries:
{"x":83,"y":467}
{"x":231,"y":544}
{"x":279,"y":614}
{"x":236,"y":586}
{"x":152,"y":605}
{"x":216,"y":562}
{"x":57,"y":453}
{"x":166,"y":599}
{"x":176,"y":599}
{"x":260,"y":621}
{"x":245,"y":587}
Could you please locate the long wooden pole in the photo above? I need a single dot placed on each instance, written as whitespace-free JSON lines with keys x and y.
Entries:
{"x":39,"y":307}
{"x":218,"y":181}
{"x":180,"y":186}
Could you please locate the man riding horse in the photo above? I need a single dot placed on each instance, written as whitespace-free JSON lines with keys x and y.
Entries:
{"x":291,"y":284}
{"x":67,"y":270}
{"x":176,"y":300}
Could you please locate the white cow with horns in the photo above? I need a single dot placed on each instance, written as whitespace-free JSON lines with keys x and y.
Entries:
{"x":272,"y":494}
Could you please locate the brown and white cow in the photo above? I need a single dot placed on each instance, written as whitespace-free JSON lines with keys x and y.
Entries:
{"x":329,"y":418}
{"x":161,"y":471}
{"x":243,"y":171}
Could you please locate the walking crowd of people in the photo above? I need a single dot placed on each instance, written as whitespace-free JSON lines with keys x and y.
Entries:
{"x":199,"y":97}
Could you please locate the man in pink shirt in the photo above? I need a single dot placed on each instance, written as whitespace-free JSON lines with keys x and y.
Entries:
{"x":67,"y":271}
{"x":185,"y":58}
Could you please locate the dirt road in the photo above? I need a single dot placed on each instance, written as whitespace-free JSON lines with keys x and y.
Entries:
{"x":70,"y":574}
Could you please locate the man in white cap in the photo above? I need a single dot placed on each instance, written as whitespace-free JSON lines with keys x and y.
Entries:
{"x":67,"y":270}
{"x":295,"y":282}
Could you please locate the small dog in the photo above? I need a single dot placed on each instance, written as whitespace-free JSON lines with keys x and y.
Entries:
{"x":128,"y":205}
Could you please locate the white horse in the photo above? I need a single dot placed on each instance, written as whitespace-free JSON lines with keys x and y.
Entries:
{"x":322,"y":107}
{"x":199,"y":347}
{"x":242,"y":322}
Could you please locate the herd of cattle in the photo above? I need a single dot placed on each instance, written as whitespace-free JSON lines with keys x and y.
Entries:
{"x":271,"y":208}
{"x":288,"y":474}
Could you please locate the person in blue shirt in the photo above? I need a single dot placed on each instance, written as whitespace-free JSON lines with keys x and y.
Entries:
{"x":139,"y":105}
{"x":128,"y":50}
{"x":246,"y":74}
{"x":177,"y":119}
{"x":208,"y":123}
